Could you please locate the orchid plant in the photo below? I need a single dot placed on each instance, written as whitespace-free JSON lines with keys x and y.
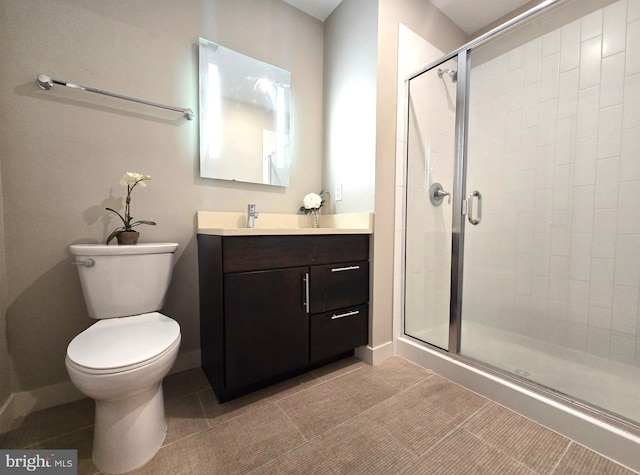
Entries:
{"x":130,"y":180}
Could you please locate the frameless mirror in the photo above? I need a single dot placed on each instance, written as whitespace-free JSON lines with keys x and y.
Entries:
{"x":244,"y":117}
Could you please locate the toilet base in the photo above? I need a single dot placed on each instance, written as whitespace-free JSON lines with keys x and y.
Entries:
{"x":129,"y":431}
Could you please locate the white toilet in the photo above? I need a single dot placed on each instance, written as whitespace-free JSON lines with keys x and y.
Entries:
{"x":120,"y":360}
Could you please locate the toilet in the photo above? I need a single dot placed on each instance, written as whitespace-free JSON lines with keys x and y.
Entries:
{"x":121,"y":359}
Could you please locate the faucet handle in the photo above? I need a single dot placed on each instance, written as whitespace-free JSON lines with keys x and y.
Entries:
{"x":437,"y":194}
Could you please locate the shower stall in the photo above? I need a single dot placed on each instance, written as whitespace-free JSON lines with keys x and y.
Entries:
{"x":522,"y":214}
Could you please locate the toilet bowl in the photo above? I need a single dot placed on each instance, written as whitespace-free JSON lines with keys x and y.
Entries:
{"x":120,"y":360}
{"x":130,"y":424}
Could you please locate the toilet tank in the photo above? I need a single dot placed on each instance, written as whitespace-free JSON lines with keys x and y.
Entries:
{"x":118,"y":281}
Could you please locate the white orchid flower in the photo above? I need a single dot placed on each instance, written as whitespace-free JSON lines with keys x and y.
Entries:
{"x":130,"y":180}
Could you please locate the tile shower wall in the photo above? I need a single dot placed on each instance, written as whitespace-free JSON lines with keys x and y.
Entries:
{"x":554,"y":145}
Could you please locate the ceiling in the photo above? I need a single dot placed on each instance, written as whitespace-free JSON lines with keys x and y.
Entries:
{"x":473,"y":15}
{"x":319,"y":9}
{"x":470,"y":15}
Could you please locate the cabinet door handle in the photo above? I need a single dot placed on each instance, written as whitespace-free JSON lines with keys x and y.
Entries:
{"x":306,"y":302}
{"x":347,"y":314}
{"x":341,"y":269}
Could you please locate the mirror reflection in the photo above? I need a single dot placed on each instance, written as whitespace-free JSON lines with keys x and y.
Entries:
{"x":244,"y":117}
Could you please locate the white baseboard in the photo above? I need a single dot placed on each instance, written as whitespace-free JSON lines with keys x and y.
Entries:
{"x":376,"y":355}
{"x":23,"y":403}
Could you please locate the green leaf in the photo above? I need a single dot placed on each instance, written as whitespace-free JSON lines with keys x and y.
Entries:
{"x":113,"y":234}
{"x":119,"y":215}
{"x":150,"y":223}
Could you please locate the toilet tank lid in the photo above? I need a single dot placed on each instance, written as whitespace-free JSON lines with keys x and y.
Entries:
{"x":120,"y":342}
{"x":105,"y":250}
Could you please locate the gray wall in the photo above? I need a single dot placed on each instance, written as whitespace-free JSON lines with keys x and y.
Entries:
{"x":350,"y":66}
{"x":63,"y":151}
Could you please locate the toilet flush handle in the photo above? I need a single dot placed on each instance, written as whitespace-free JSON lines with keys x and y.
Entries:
{"x":85,"y":263}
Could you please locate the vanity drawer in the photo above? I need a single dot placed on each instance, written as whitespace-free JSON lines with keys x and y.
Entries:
{"x":338,"y":285}
{"x":332,"y":333}
{"x":247,"y":253}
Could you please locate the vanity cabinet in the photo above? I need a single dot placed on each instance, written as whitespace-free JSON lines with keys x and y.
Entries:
{"x":273,"y":306}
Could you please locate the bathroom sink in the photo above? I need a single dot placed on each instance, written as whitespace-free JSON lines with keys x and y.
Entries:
{"x":223,"y":223}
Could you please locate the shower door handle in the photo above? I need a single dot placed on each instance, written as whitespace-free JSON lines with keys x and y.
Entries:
{"x":472,"y":220}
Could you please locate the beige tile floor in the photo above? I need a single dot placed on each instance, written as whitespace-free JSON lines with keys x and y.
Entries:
{"x":345,"y":418}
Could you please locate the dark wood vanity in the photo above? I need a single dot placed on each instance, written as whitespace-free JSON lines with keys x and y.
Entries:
{"x":272,"y":306}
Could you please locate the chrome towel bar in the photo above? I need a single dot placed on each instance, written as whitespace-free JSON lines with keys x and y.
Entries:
{"x":46,"y":82}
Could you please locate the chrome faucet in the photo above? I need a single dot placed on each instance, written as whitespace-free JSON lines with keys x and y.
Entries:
{"x":252,"y":215}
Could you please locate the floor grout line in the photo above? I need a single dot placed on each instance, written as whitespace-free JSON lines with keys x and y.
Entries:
{"x":519,"y":462}
{"x":566,"y":450}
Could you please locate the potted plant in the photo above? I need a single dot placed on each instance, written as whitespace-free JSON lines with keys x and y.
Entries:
{"x":125,"y":233}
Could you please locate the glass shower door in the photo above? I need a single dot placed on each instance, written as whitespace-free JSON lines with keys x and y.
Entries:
{"x":503,"y":213}
{"x":430,"y":165}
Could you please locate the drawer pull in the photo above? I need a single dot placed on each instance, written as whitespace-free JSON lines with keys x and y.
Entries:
{"x":341,"y":269}
{"x":348,"y":314}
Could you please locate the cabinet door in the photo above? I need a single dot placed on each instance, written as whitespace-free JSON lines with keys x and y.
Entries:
{"x":339,"y":285}
{"x":266,"y":326}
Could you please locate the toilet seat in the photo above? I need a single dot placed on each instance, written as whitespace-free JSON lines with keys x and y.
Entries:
{"x":115,"y":345}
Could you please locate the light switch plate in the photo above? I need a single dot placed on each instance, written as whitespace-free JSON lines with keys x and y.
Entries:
{"x":338,"y":193}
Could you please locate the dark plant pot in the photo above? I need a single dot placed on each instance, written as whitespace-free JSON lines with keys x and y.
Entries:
{"x":127,"y":237}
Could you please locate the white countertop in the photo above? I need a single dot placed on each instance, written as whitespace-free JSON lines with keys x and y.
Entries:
{"x":222,"y":223}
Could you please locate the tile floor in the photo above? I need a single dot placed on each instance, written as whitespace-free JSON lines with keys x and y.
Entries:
{"x":345,"y":418}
